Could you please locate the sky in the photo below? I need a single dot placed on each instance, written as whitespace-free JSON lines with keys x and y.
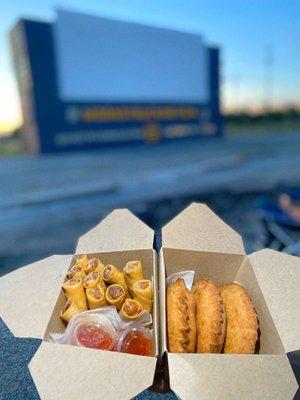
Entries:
{"x":245,"y":31}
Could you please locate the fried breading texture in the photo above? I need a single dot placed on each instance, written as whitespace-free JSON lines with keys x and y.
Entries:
{"x":242,"y":324}
{"x":210,"y":317}
{"x":181,"y":324}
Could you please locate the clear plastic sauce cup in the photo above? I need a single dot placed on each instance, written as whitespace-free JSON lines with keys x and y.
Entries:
{"x":136,"y":340}
{"x":96,"y":333}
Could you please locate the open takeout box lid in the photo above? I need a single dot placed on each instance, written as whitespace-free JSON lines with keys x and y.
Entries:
{"x":119,"y":231}
{"x":198,"y":228}
{"x":278,"y":276}
{"x":257,"y":376}
{"x":61,"y":371}
{"x":207,"y":376}
{"x":67,"y":372}
{"x":29,"y":294}
{"x":235,"y":377}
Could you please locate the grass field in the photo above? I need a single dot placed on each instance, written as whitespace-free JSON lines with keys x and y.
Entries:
{"x":264,"y":128}
{"x":12,"y":145}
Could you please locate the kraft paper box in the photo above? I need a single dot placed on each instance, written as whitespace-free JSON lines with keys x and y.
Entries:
{"x":31,"y":299}
{"x":198,"y":240}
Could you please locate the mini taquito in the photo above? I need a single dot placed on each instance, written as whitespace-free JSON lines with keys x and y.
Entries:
{"x":94,"y":264}
{"x":131,"y":310}
{"x":74,"y":289}
{"x":115,"y":295}
{"x":96,"y":297}
{"x":142,"y":292}
{"x":70,"y":308}
{"x":76,"y":271}
{"x":133,"y":272}
{"x":82,"y":260}
{"x":92,"y":280}
{"x":112,"y":275}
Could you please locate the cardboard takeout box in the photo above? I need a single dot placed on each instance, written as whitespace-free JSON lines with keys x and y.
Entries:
{"x":198,"y":240}
{"x":31,"y":299}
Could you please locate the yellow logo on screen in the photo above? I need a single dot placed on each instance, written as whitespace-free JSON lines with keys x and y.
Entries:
{"x":152,"y":133}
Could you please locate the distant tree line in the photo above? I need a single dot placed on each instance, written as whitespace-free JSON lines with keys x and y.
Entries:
{"x":291,"y":114}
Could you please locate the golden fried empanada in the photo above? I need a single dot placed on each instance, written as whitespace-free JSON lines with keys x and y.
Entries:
{"x":210,"y":317}
{"x":181,"y":324}
{"x":242,"y":325}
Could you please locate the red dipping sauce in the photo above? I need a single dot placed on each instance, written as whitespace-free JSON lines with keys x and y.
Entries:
{"x":95,"y":337}
{"x":137,"y":342}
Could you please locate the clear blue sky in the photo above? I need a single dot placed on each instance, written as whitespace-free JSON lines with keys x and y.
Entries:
{"x":243,"y":29}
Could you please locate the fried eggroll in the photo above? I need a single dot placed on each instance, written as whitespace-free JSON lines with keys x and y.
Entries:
{"x":181,"y":322}
{"x":96,"y":297}
{"x":133,"y":272}
{"x":82,"y":260}
{"x":131,"y":309}
{"x":69,"y":309}
{"x":77,"y":271}
{"x":94,"y":264}
{"x":142,"y":292}
{"x":74,"y":289}
{"x":210,"y":317}
{"x":112,"y":275}
{"x":115,"y":295}
{"x":242,"y":325}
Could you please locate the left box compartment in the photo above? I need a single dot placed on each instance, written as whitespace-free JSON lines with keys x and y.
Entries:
{"x":63,"y":371}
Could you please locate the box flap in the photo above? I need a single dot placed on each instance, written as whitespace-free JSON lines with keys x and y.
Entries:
{"x":235,"y":377}
{"x":69,"y":372}
{"x":269,"y":339}
{"x":278,"y":276}
{"x":27,"y":299}
{"x":119,"y":231}
{"x":199,"y":228}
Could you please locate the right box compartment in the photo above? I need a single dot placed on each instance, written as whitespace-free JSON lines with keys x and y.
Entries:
{"x":200,"y":241}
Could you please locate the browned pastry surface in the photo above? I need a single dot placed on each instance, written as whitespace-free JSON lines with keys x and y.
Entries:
{"x":210,"y":317}
{"x":242,"y":325}
{"x":181,"y":324}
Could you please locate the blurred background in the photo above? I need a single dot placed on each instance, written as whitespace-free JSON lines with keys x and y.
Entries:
{"x":147,"y":105}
